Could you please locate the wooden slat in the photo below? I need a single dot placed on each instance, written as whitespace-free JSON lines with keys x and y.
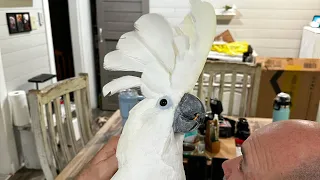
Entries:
{"x":279,"y":4}
{"x":61,"y":88}
{"x":232,"y":91}
{"x":4,"y":32}
{"x":210,"y":89}
{"x":22,"y":81}
{"x":67,"y":106}
{"x":33,"y":65}
{"x":121,"y":16}
{"x":255,"y":91}
{"x":87,"y":112}
{"x":113,"y":35}
{"x":273,"y":43}
{"x":289,"y":14}
{"x":41,"y":137}
{"x":222,"y":66}
{"x":111,"y":128}
{"x":21,"y":56}
{"x":263,"y":24}
{"x":200,"y":87}
{"x":244,"y":95}
{"x":118,"y":26}
{"x":122,"y":6}
{"x":274,"y":52}
{"x":10,"y":45}
{"x":61,"y":133}
{"x":264,"y":33}
{"x":52,"y":135}
{"x":77,"y":99}
{"x":221,"y":88}
{"x":247,"y":4}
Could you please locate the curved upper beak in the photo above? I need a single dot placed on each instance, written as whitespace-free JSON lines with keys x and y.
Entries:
{"x":189,"y":115}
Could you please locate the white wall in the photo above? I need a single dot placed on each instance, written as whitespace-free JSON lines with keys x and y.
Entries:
{"x":24,"y":56}
{"x":9,"y":162}
{"x":272,"y":27}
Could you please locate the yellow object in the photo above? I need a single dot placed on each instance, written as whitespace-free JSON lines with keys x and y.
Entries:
{"x":33,"y":21}
{"x":234,"y":48}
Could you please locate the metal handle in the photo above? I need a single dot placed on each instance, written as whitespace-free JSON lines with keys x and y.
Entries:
{"x":100,"y":35}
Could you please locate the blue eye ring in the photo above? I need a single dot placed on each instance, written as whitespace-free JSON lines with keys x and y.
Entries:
{"x":164,"y":102}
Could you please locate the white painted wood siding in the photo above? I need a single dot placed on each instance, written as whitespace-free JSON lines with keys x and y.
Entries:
{"x":24,"y":55}
{"x":273,"y":27}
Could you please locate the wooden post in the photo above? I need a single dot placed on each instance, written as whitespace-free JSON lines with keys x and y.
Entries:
{"x":255,"y":90}
{"x":232,"y":92}
{"x":244,"y":95}
{"x":41,"y":136}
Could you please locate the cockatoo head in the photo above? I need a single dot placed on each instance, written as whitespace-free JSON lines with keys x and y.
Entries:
{"x":171,"y":60}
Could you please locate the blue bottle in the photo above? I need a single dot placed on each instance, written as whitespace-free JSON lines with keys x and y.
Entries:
{"x":281,"y":107}
{"x":127,"y":100}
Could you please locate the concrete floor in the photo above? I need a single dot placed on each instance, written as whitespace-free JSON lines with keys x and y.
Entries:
{"x":4,"y":177}
{"x":30,"y":174}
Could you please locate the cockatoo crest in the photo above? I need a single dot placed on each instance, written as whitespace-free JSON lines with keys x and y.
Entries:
{"x":165,"y":55}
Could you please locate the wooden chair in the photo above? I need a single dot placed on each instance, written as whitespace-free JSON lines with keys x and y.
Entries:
{"x":249,"y":85}
{"x":113,"y":127}
{"x":56,"y":140}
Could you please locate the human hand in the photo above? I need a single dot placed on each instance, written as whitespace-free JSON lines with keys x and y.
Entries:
{"x":104,"y":165}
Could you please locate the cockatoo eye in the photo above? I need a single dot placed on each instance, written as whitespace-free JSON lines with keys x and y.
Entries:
{"x":164,"y":102}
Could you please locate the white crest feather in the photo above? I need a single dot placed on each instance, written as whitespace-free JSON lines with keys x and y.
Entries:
{"x":118,"y":61}
{"x":130,"y":44}
{"x":156,"y":33}
{"x":120,"y":84}
{"x":200,"y":27}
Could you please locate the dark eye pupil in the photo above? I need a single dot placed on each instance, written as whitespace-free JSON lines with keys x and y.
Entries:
{"x":163,"y":102}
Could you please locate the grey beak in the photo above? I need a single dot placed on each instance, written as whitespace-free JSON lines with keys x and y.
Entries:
{"x":189,"y":115}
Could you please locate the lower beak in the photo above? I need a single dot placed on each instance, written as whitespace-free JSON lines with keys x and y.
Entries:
{"x":189,"y":115}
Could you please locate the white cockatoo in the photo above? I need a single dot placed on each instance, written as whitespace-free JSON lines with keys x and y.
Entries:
{"x":170,"y":60}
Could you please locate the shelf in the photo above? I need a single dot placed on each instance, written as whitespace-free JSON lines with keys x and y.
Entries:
{"x":223,"y":12}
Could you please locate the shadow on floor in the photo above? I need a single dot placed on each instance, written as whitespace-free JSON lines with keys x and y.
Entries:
{"x":28,"y":174}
